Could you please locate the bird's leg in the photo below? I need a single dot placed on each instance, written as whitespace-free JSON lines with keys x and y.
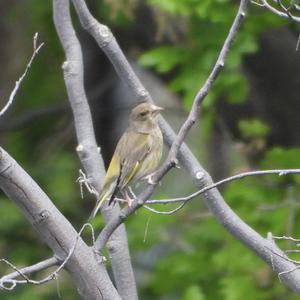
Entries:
{"x":132,"y":194}
{"x":84,"y":181}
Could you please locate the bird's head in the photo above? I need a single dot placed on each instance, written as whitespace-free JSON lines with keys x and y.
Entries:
{"x":145,"y":112}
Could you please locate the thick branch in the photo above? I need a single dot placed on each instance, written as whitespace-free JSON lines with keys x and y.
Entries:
{"x":123,"y":68}
{"x":90,"y":277}
{"x":87,"y":148}
{"x":200,"y":177}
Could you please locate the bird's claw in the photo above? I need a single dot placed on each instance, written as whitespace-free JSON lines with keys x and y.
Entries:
{"x":128,"y":199}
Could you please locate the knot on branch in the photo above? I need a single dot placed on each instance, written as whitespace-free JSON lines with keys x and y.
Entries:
{"x":174,"y":163}
{"x":81,"y":150}
{"x":143,"y":95}
{"x":199,"y":175}
{"x":104,"y":33}
{"x":84,"y":150}
{"x":70,"y":67}
{"x":101,"y":259}
{"x":42,"y":216}
{"x":113,"y":246}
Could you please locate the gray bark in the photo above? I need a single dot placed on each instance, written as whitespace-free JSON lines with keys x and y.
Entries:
{"x":90,"y":159}
{"x":200,"y":177}
{"x":90,"y":277}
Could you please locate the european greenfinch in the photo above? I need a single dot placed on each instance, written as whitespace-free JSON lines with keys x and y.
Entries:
{"x":137,"y":154}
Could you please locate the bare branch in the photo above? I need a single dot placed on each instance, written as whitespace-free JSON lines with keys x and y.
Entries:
{"x":53,"y":228}
{"x":111,"y":49}
{"x":280,"y":172}
{"x":12,"y":96}
{"x":170,"y":212}
{"x":9,"y":283}
{"x":201,"y":178}
{"x":87,"y":148}
{"x":286,"y":238}
{"x":45,"y":264}
{"x":285,"y":13}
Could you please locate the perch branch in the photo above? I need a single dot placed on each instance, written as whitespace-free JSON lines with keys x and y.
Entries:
{"x":87,"y":148}
{"x":201,"y":178}
{"x":192,"y":117}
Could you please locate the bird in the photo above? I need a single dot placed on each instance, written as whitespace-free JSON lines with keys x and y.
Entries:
{"x":136,"y":156}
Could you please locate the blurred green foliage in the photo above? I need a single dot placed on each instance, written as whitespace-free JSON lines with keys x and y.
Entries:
{"x":185,"y":256}
{"x":207,"y":25}
{"x":253,"y":128}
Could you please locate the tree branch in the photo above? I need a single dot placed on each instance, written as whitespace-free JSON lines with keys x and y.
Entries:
{"x":90,"y":277}
{"x":45,"y":264}
{"x":12,"y":283}
{"x":201,"y":178}
{"x":281,"y":172}
{"x":87,"y":148}
{"x":123,"y":68}
{"x":36,"y":49}
{"x":285,"y":13}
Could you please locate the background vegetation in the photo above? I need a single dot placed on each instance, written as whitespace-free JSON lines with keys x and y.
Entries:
{"x":248,"y":121}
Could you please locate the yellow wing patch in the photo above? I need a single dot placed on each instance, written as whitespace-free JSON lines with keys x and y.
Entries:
{"x":133,"y":172}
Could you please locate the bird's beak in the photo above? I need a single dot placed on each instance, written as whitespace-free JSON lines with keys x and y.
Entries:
{"x":156,"y":109}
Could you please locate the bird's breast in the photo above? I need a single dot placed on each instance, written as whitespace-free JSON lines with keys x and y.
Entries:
{"x":153,"y":158}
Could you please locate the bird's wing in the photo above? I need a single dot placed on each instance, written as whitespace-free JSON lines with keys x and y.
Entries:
{"x":130,"y":152}
{"x":132,"y":155}
{"x":111,"y":181}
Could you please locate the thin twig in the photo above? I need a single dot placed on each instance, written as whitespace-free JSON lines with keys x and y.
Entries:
{"x":32,"y":269}
{"x":10,"y":101}
{"x":87,"y":148}
{"x":8,"y":283}
{"x":286,"y":238}
{"x":285,"y":13}
{"x":287,"y":272}
{"x":192,"y":117}
{"x":146,"y":229}
{"x":213,"y":199}
{"x":280,"y":172}
{"x":170,"y":212}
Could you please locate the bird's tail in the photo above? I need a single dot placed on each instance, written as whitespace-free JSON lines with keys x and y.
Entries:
{"x":98,"y":205}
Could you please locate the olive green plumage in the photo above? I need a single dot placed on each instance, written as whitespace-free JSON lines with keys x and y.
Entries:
{"x":137,"y":154}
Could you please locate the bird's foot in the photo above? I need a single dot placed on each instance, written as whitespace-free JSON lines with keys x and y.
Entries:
{"x":132,"y":194}
{"x":84,"y":181}
{"x":129,"y":199}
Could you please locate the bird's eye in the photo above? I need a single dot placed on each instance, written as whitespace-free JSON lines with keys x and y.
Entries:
{"x":144,"y":113}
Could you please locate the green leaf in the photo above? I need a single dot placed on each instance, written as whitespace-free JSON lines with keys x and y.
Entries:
{"x":163,"y":59}
{"x":253,"y":128}
{"x":193,"y":292}
{"x":281,"y":158}
{"x":238,"y":287}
